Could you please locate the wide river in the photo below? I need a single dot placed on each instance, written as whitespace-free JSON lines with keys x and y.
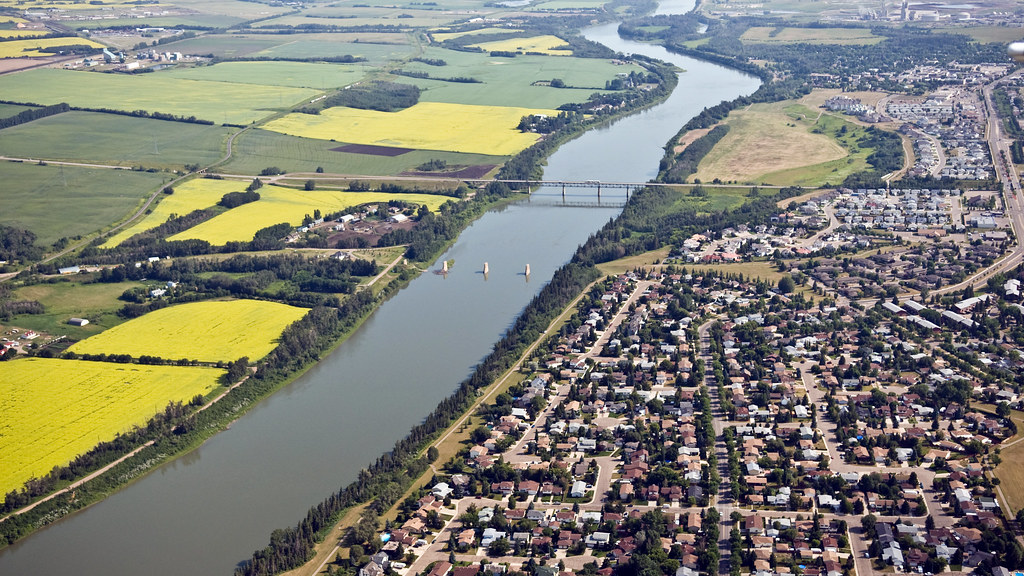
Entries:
{"x":207,"y":511}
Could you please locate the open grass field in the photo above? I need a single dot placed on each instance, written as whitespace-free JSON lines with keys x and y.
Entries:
{"x":96,"y":138}
{"x":375,"y":54}
{"x":776,"y":144}
{"x":842,"y":36}
{"x":1011,"y":475}
{"x":257,"y":149}
{"x":65,"y":300}
{"x":278,"y":204}
{"x":543,"y":44}
{"x":570,"y":5}
{"x":221,"y":102}
{"x":31,"y":47}
{"x":68,"y":201}
{"x":189,"y":196}
{"x":294,"y":74}
{"x":8,"y":110}
{"x":204,"y":331}
{"x":53,"y":410}
{"x":189,"y":20}
{"x":511,"y":81}
{"x":425,"y":126}
{"x":1000,"y":34}
{"x":445,"y":36}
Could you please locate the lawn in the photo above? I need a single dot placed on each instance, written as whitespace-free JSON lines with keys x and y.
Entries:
{"x":842,"y":36}
{"x":257,"y":149}
{"x":69,"y":201}
{"x":512,"y":81}
{"x":784,"y":143}
{"x":424,"y":126}
{"x":98,"y":302}
{"x":204,"y":331}
{"x":189,"y":196}
{"x":278,"y":204}
{"x":31,"y":47}
{"x":97,"y":138}
{"x":222,"y":102}
{"x":544,"y":44}
{"x":318,"y":76}
{"x":53,"y":410}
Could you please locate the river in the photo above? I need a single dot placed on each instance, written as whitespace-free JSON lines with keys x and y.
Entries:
{"x":207,"y":511}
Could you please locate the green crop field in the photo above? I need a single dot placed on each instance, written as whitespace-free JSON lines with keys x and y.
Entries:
{"x":376,"y":47}
{"x":204,"y":331}
{"x":375,"y":54}
{"x":204,"y":20}
{"x":295,"y":74}
{"x":510,"y":81}
{"x":257,"y":149}
{"x":279,"y":204}
{"x":570,"y":5}
{"x":97,"y":302}
{"x":53,"y":410}
{"x":189,"y":196}
{"x":67,"y":201}
{"x":221,"y":102}
{"x":97,"y":138}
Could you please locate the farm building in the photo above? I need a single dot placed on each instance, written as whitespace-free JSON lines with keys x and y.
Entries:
{"x":78,"y":321}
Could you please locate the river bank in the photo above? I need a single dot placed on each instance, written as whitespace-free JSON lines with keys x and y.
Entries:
{"x":196,"y":514}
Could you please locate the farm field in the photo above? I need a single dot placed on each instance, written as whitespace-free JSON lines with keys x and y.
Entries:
{"x":221,"y":102}
{"x":53,"y":410}
{"x":68,"y":201}
{"x":1001,"y":34}
{"x":510,"y":82}
{"x":21,"y":33}
{"x":774,"y":144}
{"x":295,"y":74}
{"x":30,"y":47}
{"x":425,"y":126}
{"x":843,"y":36}
{"x":189,"y":196}
{"x":570,"y":5}
{"x":96,"y":138}
{"x":257,"y":149}
{"x":278,"y":204}
{"x":542,"y":44}
{"x":189,"y":20}
{"x":205,"y":331}
{"x":8,"y":110}
{"x":445,"y":36}
{"x":375,"y":47}
{"x":64,"y":300}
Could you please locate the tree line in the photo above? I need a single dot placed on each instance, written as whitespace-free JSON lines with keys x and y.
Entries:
{"x":33,"y":114}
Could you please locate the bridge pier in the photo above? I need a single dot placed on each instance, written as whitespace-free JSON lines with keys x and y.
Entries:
{"x":599,"y":191}
{"x":563,"y":190}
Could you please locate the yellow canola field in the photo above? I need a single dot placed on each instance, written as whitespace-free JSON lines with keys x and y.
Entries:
{"x":278,"y":204}
{"x":205,"y":331}
{"x":425,"y":126}
{"x":53,"y":410}
{"x":26,"y":48}
{"x":22,"y":33}
{"x":541,"y":44}
{"x":192,"y":195}
{"x":444,"y":36}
